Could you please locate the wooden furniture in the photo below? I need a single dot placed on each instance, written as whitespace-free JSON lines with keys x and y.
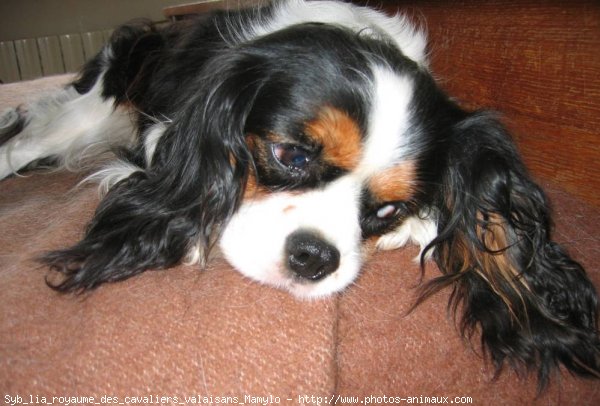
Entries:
{"x":200,"y":7}
{"x":536,"y":62}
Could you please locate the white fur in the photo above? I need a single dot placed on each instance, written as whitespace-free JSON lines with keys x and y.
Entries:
{"x":117,"y":170}
{"x":419,"y":230}
{"x":388,"y":137}
{"x":152,"y":137}
{"x":410,"y":40}
{"x":73,"y":127}
{"x":111,"y":174}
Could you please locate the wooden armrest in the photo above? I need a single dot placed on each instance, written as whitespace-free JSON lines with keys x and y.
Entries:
{"x":181,"y":11}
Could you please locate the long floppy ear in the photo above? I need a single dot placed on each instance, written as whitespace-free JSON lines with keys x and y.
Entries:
{"x":195,"y":183}
{"x":533,"y":305}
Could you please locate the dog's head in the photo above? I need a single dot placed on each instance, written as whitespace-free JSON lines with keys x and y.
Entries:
{"x":297,"y":151}
{"x":330,"y":130}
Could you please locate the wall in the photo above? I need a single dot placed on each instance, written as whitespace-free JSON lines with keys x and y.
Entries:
{"x":21,"y":19}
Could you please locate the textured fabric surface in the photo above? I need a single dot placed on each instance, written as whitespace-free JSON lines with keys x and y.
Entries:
{"x":188,"y":332}
{"x":181,"y":332}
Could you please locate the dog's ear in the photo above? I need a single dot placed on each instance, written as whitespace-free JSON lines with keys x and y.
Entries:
{"x":194,"y":184}
{"x":533,"y":305}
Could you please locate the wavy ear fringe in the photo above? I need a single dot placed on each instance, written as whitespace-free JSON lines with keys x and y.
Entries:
{"x":533,"y":305}
{"x":154,"y":218}
{"x":135,"y":228}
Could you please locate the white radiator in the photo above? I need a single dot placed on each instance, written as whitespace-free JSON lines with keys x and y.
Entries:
{"x":31,"y":58}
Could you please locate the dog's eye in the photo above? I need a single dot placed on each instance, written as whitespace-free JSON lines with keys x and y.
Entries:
{"x":291,"y":156}
{"x":391,"y":210}
{"x":380,"y":219}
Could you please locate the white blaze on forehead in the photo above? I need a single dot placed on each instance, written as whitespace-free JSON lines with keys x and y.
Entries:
{"x":387,"y":139}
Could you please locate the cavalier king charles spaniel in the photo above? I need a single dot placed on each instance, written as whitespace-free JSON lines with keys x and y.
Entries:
{"x":297,"y":138}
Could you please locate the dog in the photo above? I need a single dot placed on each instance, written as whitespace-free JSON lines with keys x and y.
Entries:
{"x":297,"y":138}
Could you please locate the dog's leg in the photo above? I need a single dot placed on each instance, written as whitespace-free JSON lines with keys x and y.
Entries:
{"x":67,"y":126}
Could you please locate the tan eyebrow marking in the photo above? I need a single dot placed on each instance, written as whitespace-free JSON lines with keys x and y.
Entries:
{"x":398,"y":183}
{"x":339,"y":135}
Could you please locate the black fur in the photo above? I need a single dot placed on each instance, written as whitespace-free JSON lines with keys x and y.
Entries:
{"x":543,"y":315}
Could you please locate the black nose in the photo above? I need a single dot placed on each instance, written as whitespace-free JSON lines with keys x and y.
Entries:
{"x":309,"y":256}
